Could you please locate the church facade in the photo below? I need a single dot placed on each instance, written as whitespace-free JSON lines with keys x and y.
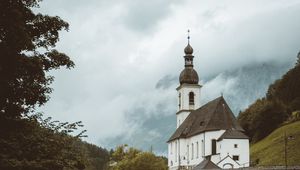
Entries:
{"x":205,"y":136}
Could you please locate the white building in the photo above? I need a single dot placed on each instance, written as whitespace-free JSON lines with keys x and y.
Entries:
{"x":206,"y":136}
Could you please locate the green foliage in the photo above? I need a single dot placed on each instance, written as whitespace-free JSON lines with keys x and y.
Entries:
{"x":124,"y":158}
{"x":97,"y":158}
{"x":287,"y":89}
{"x":266,"y":114}
{"x":36,"y":144}
{"x":27,"y":48}
{"x":270,"y":150}
{"x":28,"y":144}
{"x":261,"y":118}
{"x":27,"y":54}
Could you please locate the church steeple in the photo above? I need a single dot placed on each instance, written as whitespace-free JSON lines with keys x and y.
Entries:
{"x":188,"y":75}
{"x":189,"y":89}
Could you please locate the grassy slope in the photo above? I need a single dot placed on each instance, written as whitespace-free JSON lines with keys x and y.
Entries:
{"x":270,"y":150}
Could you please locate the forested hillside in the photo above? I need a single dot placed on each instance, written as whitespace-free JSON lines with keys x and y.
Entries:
{"x":281,"y":101}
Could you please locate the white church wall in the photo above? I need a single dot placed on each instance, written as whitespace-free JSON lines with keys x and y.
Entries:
{"x":183,"y":101}
{"x":173,"y":152}
{"x":184,"y":91}
{"x":181,"y":117}
{"x":193,"y":150}
{"x":209,"y":136}
{"x":188,"y":156}
{"x":196,"y":149}
{"x":227,"y":147}
{"x":228,"y":163}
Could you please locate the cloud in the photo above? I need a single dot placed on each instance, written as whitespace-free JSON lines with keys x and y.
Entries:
{"x":166,"y":82}
{"x":142,"y":16}
{"x":128,"y":57}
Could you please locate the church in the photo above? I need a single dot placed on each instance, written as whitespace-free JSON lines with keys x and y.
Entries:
{"x":207,"y":136}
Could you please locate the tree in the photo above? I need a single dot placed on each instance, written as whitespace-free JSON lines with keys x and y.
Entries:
{"x":262,"y":117}
{"x":27,"y":49}
{"x":124,"y":158}
{"x":39,"y":144}
{"x":266,"y":114}
{"x":27,"y":54}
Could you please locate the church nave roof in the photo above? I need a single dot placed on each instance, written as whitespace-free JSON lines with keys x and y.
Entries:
{"x":215,"y":115}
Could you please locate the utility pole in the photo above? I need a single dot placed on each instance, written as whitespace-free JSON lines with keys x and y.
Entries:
{"x":285,"y":150}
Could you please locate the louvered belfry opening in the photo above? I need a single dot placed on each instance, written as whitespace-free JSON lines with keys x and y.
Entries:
{"x":191,"y":98}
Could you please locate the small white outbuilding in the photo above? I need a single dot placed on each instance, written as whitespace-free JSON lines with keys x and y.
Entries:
{"x":207,"y":136}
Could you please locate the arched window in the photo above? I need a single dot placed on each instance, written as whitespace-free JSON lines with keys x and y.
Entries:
{"x":197,"y":150}
{"x":192,"y":151}
{"x":176,"y":151}
{"x":191,"y":98}
{"x":179,"y":100}
{"x":213,"y":146}
{"x":188,"y":152}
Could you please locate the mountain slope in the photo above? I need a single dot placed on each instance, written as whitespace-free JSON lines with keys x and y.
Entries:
{"x":270,"y":150}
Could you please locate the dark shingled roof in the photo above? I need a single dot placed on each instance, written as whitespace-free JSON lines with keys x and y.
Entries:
{"x":206,"y":164}
{"x":233,"y":134}
{"x":215,"y":115}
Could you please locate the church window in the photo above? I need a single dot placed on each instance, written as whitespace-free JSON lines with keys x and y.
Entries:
{"x":188,"y":152}
{"x":191,"y":98}
{"x":235,"y":157}
{"x":176,"y":151}
{"x":179,"y":100}
{"x":197,"y":148}
{"x":213,"y":146}
{"x":235,"y":145}
{"x":202,"y":144}
{"x":192,"y":151}
{"x":171,"y":148}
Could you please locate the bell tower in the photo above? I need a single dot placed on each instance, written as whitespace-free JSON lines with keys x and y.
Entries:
{"x":189,"y":89}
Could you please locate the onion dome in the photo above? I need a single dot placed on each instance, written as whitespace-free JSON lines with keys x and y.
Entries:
{"x":188,"y":49}
{"x":189,"y":76}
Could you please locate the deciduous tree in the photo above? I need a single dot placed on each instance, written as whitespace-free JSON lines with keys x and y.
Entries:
{"x":27,"y":53}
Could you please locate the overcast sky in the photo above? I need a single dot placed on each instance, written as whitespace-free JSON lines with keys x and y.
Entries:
{"x":128,"y":56}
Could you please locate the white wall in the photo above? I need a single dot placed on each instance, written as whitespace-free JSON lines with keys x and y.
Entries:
{"x":183,"y":101}
{"x":225,"y":147}
{"x":186,"y":156}
{"x":181,"y":117}
{"x":184,"y":91}
{"x":242,"y":150}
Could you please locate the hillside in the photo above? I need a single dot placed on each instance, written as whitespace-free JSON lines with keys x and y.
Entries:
{"x":267,"y":114}
{"x":270,"y":150}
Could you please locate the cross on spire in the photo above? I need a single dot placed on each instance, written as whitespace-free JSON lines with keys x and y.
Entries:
{"x":188,"y":31}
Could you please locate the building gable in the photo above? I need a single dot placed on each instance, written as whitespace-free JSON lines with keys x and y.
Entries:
{"x":214,"y":115}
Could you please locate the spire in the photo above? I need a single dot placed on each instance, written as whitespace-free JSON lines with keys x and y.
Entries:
{"x":188,"y":36}
{"x":188,"y":50}
{"x":188,"y":75}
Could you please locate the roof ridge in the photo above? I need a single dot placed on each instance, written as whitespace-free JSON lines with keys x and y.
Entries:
{"x":214,"y":115}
